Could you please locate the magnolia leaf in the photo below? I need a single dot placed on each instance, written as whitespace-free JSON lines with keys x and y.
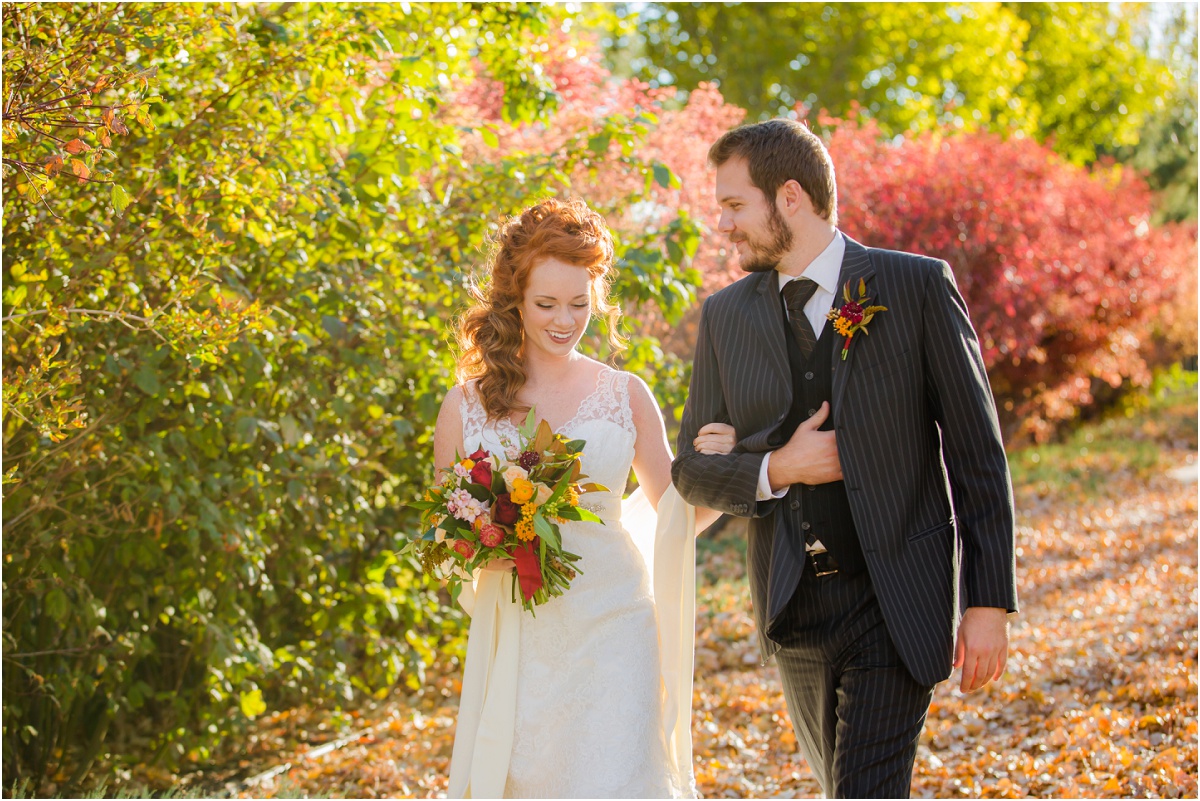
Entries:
{"x":76,"y":146}
{"x":81,"y":170}
{"x":543,"y":438}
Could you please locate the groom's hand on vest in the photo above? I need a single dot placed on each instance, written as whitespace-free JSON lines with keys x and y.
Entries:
{"x":809,"y":457}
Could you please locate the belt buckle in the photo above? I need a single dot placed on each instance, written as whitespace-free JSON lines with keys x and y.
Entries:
{"x":812,"y":555}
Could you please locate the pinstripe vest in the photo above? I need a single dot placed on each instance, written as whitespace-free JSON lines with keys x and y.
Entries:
{"x":823,"y":509}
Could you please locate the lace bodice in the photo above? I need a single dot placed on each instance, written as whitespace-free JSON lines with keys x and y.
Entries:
{"x":604,"y":420}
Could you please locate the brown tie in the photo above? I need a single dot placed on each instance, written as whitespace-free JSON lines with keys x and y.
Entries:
{"x":795,"y":294}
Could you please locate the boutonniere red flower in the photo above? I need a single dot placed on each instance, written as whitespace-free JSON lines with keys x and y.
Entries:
{"x":854,"y":315}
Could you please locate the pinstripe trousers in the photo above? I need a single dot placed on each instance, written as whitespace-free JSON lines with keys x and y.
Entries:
{"x":856,"y":709}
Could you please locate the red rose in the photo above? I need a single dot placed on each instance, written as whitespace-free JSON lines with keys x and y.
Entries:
{"x":491,"y":535}
{"x":464,"y":548}
{"x":481,"y":473}
{"x":479,"y":455}
{"x":504,"y":510}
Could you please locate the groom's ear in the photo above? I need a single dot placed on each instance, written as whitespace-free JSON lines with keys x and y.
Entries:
{"x":792,"y":199}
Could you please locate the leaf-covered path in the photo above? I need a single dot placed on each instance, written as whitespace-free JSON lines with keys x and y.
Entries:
{"x":1099,"y":698}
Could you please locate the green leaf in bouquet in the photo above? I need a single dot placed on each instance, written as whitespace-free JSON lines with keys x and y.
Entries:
{"x":593,"y":487}
{"x":422,"y":506}
{"x":576,"y":445}
{"x":559,"y":489}
{"x":579,"y":513}
{"x":479,"y":492}
{"x":452,"y":525}
{"x":430,"y":535}
{"x":576,"y":471}
{"x":543,"y":528}
{"x":530,"y":425}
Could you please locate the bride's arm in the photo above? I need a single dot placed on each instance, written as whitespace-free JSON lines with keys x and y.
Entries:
{"x":652,"y":451}
{"x":448,"y":432}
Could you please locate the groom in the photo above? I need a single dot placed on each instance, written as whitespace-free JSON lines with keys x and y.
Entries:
{"x":871,"y":466}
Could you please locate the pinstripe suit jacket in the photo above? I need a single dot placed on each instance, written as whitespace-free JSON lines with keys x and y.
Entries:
{"x":917,"y":436}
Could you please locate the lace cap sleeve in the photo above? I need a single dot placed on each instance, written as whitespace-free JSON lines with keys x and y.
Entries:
{"x":624,"y":408}
{"x":474,"y":416}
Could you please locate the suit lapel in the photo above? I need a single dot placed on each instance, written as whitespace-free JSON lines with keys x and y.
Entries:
{"x":856,"y":266}
{"x":768,"y":317}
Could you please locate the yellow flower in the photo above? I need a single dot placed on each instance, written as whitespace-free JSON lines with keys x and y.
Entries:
{"x":467,"y":463}
{"x":525,"y":529}
{"x":571,"y":496}
{"x":842,"y":326}
{"x":521,"y":490}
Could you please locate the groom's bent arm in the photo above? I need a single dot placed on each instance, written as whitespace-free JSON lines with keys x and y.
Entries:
{"x":725,"y":482}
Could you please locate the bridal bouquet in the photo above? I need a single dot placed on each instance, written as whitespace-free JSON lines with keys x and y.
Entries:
{"x":507,"y":506}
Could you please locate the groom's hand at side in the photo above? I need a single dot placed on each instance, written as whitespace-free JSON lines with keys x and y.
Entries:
{"x":982,"y":647}
{"x":809,"y":457}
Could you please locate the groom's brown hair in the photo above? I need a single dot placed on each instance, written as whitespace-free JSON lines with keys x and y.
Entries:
{"x":777,"y":151}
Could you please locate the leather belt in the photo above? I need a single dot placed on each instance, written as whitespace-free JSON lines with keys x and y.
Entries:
{"x":822,"y":562}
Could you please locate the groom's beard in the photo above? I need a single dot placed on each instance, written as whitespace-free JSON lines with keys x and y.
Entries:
{"x":767,"y":257}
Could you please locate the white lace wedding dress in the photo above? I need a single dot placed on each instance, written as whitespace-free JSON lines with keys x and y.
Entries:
{"x":588,"y":718}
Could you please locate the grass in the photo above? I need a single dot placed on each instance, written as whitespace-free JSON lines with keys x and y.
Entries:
{"x":1146,"y":433}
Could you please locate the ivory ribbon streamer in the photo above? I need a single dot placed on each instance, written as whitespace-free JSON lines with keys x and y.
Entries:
{"x":483,"y":737}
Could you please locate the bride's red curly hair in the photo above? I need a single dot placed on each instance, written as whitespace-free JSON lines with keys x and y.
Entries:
{"x":490,"y":334}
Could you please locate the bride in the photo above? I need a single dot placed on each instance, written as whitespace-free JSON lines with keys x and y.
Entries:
{"x":577,"y":700}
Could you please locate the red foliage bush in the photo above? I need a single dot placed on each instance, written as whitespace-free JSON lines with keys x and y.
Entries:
{"x":1069,"y":284}
{"x":1065,"y":277}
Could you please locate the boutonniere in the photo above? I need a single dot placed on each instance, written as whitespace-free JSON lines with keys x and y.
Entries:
{"x":854,"y":315}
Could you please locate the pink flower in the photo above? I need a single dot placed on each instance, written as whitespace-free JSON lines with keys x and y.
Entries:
{"x":464,"y":548}
{"x":491,"y":535}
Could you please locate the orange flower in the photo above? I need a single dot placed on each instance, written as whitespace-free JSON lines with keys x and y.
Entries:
{"x":522,"y":490}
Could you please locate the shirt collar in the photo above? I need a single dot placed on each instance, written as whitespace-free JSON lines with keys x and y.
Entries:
{"x":826,"y":267}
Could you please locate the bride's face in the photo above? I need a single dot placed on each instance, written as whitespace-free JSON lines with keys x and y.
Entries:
{"x":556,"y":307}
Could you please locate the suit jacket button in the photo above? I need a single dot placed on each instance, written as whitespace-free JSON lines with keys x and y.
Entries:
{"x":809,"y":375}
{"x":811,"y":412}
{"x":806,"y":526}
{"x":795,"y":504}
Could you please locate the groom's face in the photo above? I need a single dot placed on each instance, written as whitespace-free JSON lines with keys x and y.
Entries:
{"x":751,"y":219}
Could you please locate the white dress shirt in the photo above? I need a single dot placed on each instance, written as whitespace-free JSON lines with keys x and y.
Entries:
{"x":824,"y":270}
